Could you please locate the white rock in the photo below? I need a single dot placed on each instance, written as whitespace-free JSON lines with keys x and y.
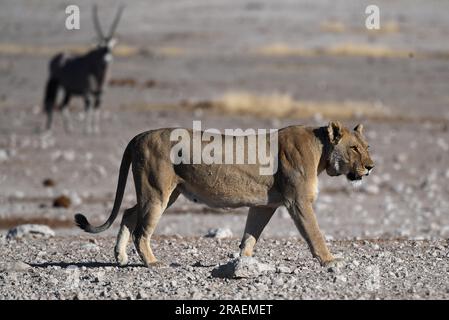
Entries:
{"x":278,"y":281}
{"x":219,"y":233}
{"x":142,"y":295}
{"x":89,"y":246}
{"x":30,"y":230}
{"x":243,"y":267}
{"x":69,"y":155}
{"x":19,"y":194}
{"x":3,"y":155}
{"x":14,"y":266}
{"x":75,"y":198}
{"x":340,"y":278}
{"x":283,"y":269}
{"x":442,"y":144}
{"x":72,"y":267}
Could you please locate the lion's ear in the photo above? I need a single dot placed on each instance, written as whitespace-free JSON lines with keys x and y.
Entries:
{"x":335,"y":131}
{"x":359,"y":128}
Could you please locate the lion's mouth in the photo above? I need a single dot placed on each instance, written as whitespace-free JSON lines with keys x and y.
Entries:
{"x":353,"y":177}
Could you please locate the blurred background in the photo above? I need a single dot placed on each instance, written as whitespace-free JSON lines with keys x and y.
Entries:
{"x":234,"y":64}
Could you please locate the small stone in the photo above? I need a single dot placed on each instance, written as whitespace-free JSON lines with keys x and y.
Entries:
{"x":340,"y":278}
{"x":234,"y":255}
{"x":62,"y":202}
{"x":89,"y":246}
{"x":75,"y":199}
{"x":197,"y":295}
{"x":142,"y":295}
{"x":72,"y":267}
{"x":3,"y":155}
{"x":283,"y":269}
{"x":278,"y":281}
{"x":19,"y":194}
{"x":48,"y":182}
{"x":219,"y":233}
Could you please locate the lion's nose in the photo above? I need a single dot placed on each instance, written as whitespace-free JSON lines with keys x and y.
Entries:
{"x":369,"y":168}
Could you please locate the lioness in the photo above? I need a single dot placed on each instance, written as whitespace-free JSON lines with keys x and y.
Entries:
{"x":303,"y":153}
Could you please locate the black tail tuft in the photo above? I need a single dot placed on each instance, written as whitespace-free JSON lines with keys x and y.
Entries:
{"x":81,"y":221}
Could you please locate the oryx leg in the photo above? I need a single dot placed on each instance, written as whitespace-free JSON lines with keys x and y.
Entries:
{"x":49,"y":119}
{"x":96,"y":120}
{"x":257,"y":219}
{"x":127,"y":227}
{"x":65,"y":113}
{"x":88,"y":114}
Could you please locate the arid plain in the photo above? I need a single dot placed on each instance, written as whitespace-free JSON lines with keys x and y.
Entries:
{"x":232,"y":64}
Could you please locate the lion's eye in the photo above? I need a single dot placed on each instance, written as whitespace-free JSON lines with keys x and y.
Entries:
{"x":354,"y":148}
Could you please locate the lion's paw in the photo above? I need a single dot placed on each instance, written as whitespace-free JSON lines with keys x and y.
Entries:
{"x":122,"y":260}
{"x":334,"y":264}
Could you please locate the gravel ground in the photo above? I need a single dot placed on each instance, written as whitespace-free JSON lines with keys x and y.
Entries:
{"x":84,"y":268}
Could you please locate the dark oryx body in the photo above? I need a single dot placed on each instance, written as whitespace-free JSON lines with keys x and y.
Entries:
{"x":81,"y":75}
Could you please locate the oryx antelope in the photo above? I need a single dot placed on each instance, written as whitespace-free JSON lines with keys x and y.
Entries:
{"x":81,"y":75}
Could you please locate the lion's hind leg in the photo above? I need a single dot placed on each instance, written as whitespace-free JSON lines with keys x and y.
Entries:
{"x":127,"y":227}
{"x":153,"y":197}
{"x":147,"y":220}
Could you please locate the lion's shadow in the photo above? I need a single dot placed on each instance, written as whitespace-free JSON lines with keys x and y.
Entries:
{"x":86,"y":264}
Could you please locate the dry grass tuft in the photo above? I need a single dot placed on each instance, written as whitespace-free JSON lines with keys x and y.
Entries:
{"x":344,"y":49}
{"x":365,"y":50}
{"x":284,"y":106}
{"x":282,"y":49}
{"x":333,"y":26}
{"x":170,"y":51}
{"x":387,"y":28}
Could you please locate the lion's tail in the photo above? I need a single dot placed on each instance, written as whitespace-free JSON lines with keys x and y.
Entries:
{"x":81,"y":220}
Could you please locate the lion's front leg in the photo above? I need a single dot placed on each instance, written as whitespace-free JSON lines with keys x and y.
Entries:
{"x":301,"y":211}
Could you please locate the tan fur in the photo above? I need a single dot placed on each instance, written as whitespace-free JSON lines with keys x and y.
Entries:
{"x":303,"y":154}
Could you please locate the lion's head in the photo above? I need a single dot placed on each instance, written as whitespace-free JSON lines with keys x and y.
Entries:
{"x":348,"y":152}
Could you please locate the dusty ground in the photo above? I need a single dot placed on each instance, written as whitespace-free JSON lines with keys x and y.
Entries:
{"x":199,"y":52}
{"x":63,"y":268}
